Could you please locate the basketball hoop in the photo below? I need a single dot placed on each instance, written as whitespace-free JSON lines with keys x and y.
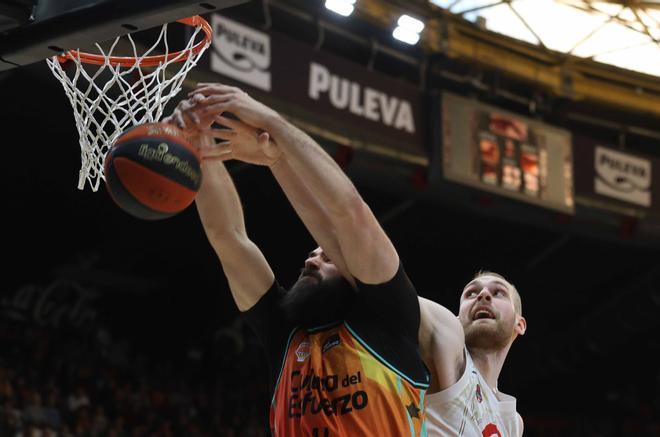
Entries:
{"x":142,"y":94}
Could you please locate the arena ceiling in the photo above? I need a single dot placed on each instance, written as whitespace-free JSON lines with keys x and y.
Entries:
{"x":625,"y":34}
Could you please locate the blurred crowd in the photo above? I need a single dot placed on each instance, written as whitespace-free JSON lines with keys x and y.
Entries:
{"x":64,"y":383}
{"x":71,"y":382}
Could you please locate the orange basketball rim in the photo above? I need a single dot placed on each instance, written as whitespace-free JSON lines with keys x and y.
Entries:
{"x":147,"y":61}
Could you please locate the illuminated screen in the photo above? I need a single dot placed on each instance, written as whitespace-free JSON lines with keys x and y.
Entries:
{"x":497,"y":151}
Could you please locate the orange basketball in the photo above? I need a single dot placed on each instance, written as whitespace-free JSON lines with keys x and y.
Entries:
{"x":152,"y":171}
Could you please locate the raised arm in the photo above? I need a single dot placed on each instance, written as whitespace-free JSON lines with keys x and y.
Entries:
{"x":245,"y":143}
{"x":441,"y":344}
{"x":312,"y":213}
{"x":220,"y":211}
{"x":363,"y":245}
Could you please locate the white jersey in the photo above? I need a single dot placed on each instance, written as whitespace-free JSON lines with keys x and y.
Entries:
{"x":471,"y":408}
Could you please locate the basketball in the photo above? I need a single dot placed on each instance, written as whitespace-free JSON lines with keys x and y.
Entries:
{"x":152,"y":171}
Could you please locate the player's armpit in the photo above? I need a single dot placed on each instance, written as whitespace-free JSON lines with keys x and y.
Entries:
{"x":441,"y":343}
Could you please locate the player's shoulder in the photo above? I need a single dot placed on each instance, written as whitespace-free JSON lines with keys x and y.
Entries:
{"x":521,"y":423}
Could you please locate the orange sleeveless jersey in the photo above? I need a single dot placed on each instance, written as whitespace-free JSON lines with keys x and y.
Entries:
{"x":333,"y":384}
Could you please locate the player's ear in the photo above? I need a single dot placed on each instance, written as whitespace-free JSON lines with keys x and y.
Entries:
{"x":521,"y":325}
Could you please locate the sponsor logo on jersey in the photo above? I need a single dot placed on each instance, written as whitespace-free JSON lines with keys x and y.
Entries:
{"x":321,"y":394}
{"x":491,"y":431}
{"x":331,"y":342}
{"x":480,"y":397}
{"x":303,"y":351}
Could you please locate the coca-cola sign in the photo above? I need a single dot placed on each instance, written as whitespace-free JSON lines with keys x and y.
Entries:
{"x":61,"y":303}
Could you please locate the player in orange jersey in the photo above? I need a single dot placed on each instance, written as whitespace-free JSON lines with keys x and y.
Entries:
{"x":343,"y":341}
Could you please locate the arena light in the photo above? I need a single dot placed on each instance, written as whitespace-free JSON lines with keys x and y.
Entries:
{"x":408,"y":29}
{"x":341,"y":7}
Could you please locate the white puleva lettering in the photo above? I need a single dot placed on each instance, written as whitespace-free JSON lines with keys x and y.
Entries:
{"x":362,"y":101}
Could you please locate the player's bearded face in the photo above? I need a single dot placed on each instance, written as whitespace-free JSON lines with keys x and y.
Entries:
{"x":487,"y":314}
{"x":489,"y":335}
{"x":314,"y":301}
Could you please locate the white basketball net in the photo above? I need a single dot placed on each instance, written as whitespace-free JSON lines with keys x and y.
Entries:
{"x":103,"y":108}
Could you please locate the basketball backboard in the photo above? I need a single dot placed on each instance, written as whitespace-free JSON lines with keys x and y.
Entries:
{"x":33,"y":30}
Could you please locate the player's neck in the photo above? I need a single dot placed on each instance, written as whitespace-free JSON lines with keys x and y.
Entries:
{"x":489,"y":362}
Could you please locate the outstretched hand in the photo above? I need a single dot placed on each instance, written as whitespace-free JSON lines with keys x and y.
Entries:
{"x":187,"y":118}
{"x":242,"y":142}
{"x":238,"y":140}
{"x":220,"y":98}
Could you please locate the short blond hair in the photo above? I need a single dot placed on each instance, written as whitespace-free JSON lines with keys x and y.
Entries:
{"x":517,"y":303}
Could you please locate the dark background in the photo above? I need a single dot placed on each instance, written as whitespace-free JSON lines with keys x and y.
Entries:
{"x":589,"y":291}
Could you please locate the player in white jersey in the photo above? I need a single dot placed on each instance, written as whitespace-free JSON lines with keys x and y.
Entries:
{"x":465,"y":356}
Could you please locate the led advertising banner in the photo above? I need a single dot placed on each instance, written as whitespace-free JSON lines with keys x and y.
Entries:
{"x":501,"y":152}
{"x":325,"y":94}
{"x":615,"y":179}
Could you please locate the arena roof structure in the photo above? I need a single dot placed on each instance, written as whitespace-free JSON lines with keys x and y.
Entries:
{"x":620,"y":33}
